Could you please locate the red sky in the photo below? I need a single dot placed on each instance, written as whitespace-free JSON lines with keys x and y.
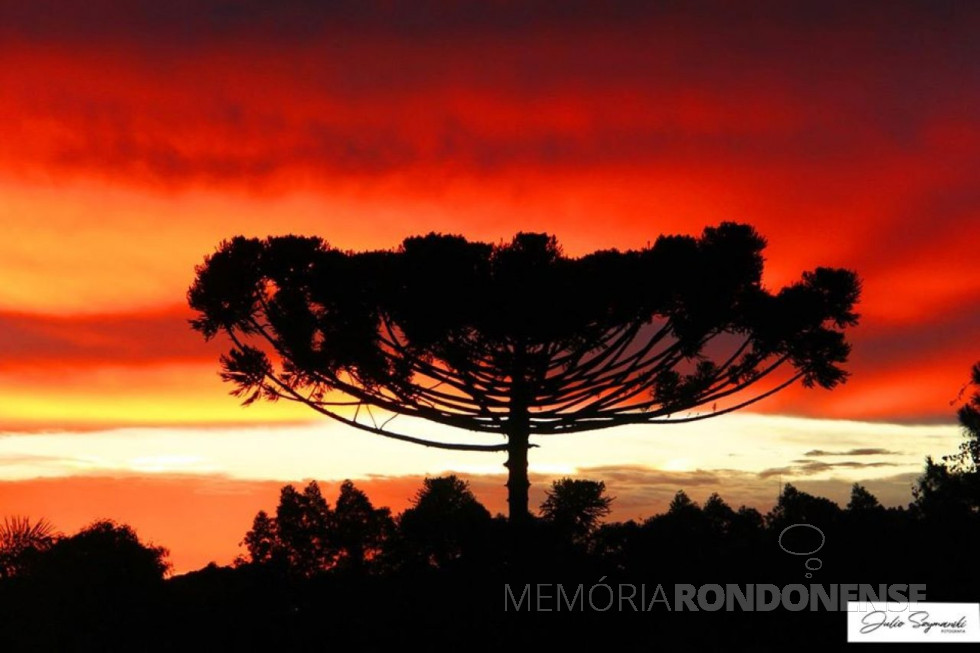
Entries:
{"x":137,"y":136}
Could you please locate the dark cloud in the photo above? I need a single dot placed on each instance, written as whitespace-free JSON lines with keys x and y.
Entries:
{"x":641,"y":475}
{"x":947,"y":329}
{"x":738,"y":26}
{"x":810,"y":467}
{"x":115,"y":339}
{"x":212,"y":91}
{"x":871,"y":451}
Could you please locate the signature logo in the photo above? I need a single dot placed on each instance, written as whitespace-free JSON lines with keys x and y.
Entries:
{"x":881,"y":619}
{"x":913,"y":622}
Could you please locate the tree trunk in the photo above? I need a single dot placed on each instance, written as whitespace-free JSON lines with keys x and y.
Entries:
{"x":517,"y":481}
{"x":518,"y":432}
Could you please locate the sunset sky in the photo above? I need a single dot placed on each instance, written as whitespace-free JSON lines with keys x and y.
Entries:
{"x":135,"y":136}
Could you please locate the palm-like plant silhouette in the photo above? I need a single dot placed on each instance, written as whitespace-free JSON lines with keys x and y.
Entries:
{"x":19,"y":536}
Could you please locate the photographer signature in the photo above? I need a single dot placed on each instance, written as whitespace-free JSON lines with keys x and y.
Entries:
{"x":879,"y":619}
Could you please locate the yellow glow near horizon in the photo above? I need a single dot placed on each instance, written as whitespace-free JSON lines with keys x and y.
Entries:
{"x":115,"y":395}
{"x":737,"y":443}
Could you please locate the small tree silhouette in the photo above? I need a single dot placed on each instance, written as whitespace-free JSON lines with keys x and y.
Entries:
{"x":863,"y":501}
{"x":445,"y":520}
{"x":307,"y":537}
{"x":262,"y":542}
{"x":576,"y":506}
{"x":795,"y":506}
{"x":517,"y":340}
{"x":359,"y":531}
{"x":968,"y":458}
{"x":19,"y":538}
{"x":103,"y":556}
{"x":299,"y":538}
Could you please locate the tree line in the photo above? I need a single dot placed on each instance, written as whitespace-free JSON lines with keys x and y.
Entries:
{"x":315,"y":571}
{"x":446,"y":524}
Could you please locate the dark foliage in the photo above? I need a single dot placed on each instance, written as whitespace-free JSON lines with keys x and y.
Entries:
{"x":949,"y":490}
{"x":576,"y":507}
{"x":445,"y":524}
{"x":307,"y":537}
{"x":93,"y":591}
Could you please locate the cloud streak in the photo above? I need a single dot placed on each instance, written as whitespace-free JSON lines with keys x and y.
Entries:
{"x":866,"y":451}
{"x":810,"y":467}
{"x":31,"y":340}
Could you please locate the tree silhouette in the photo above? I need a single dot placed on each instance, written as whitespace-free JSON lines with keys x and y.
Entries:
{"x":576,"y":506}
{"x":795,"y":506}
{"x":299,"y":538}
{"x":19,"y":538}
{"x":104,"y":555}
{"x":683,"y":505}
{"x":303,"y":527}
{"x":307,"y":537}
{"x":863,"y":501}
{"x":359,"y":531}
{"x":445,"y":520}
{"x":967,"y":460}
{"x":514,"y":340}
{"x":950,"y":490}
{"x":262,"y":542}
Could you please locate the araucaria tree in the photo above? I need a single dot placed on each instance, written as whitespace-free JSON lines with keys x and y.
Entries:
{"x":517,"y":340}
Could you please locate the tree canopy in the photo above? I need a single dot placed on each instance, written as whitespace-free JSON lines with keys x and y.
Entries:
{"x":19,"y":538}
{"x":102,"y":555}
{"x":308,"y":537}
{"x":516,"y":339}
{"x":444,"y":522}
{"x":576,"y":506}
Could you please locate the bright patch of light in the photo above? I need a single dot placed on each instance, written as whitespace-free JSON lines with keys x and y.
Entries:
{"x":676,"y":465}
{"x":325,"y":450}
{"x":553,"y":469}
{"x":173,"y":463}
